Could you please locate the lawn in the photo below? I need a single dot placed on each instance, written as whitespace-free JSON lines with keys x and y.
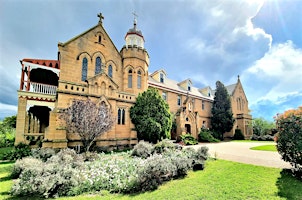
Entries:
{"x":220,"y":180}
{"x":265,"y":148}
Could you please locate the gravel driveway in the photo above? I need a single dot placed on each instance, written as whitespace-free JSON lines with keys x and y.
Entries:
{"x":241,"y":152}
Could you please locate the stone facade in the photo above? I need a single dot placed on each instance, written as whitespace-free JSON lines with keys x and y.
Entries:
{"x":90,"y":66}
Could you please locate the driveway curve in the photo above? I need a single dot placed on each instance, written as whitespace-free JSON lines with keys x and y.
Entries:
{"x":241,"y":152}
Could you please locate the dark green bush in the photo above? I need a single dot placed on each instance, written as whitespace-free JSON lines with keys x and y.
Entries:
{"x":7,"y":136}
{"x":188,"y":139}
{"x":205,"y":135}
{"x":289,"y":142}
{"x":20,"y":151}
{"x":238,"y":135}
{"x":142,"y":149}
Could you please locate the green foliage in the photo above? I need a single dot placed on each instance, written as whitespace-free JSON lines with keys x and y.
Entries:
{"x":289,"y":143}
{"x":20,"y":151}
{"x":188,"y":139}
{"x":222,"y":116}
{"x":10,"y":121}
{"x":238,"y":135}
{"x":262,"y":126}
{"x":7,"y":131}
{"x":164,"y":145}
{"x":205,"y":135}
{"x":151,"y":116}
{"x":142,"y":149}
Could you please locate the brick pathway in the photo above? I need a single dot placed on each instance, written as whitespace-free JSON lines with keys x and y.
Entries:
{"x":241,"y":152}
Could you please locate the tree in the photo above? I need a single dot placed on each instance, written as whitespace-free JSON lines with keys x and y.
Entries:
{"x":10,"y":121}
{"x":87,"y":119}
{"x":289,"y":143}
{"x":151,"y":116}
{"x":262,"y":126}
{"x":222,"y":117}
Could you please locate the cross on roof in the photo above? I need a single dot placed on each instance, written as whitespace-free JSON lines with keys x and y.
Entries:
{"x":135,"y":15}
{"x":101,"y":18}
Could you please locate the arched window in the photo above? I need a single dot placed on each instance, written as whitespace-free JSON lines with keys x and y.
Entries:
{"x":121,"y":116}
{"x":139,"y":79}
{"x":110,"y":71}
{"x":84,"y":69}
{"x":178,"y":100}
{"x":98,"y":65}
{"x":130,"y":78}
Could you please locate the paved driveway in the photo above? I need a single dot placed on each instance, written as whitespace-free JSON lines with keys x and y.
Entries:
{"x":241,"y":152}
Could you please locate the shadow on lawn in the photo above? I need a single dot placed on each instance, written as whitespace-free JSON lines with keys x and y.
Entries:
{"x":289,"y":187}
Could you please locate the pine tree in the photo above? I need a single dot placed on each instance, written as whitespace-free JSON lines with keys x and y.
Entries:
{"x":151,"y":116}
{"x":222,"y":117}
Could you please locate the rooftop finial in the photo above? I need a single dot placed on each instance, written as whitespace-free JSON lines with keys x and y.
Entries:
{"x":101,"y":18}
{"x":135,"y":19}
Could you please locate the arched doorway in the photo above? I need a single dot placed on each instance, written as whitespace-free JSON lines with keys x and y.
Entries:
{"x":188,"y":128}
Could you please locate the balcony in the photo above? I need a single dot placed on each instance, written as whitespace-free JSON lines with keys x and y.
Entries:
{"x":42,"y":88}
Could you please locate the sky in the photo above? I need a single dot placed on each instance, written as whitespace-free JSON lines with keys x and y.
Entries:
{"x":204,"y":40}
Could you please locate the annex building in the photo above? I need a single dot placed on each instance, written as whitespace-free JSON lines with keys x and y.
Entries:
{"x":90,"y":66}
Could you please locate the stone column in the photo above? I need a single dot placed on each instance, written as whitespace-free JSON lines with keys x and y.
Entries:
{"x":21,"y":115}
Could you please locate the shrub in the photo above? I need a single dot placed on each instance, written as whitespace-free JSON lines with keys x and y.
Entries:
{"x":188,"y":139}
{"x":55,"y":177}
{"x":165,"y":144}
{"x":262,"y":137}
{"x":23,"y":164}
{"x":7,"y":136}
{"x":289,"y":143}
{"x":20,"y":151}
{"x":142,"y":149}
{"x":43,"y":153}
{"x":238,"y":135}
{"x":46,"y":180}
{"x":205,"y":135}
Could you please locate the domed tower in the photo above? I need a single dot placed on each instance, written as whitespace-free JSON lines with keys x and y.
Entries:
{"x":135,"y":61}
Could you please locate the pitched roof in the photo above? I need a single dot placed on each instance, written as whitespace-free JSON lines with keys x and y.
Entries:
{"x":231,"y":88}
{"x":174,"y":87}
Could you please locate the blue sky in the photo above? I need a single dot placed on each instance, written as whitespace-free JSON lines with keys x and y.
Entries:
{"x":204,"y":40}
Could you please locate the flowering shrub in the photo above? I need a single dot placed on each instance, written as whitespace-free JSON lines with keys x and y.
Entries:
{"x":25,"y":163}
{"x":42,"y":153}
{"x":68,"y":173}
{"x":289,"y":143}
{"x":188,"y":139}
{"x":142,"y":149}
{"x":165,"y":144}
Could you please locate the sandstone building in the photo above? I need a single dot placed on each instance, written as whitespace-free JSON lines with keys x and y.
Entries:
{"x":90,"y":66}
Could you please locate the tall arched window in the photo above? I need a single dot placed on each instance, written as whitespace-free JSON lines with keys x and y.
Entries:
{"x":84,"y":69}
{"x":110,"y":71}
{"x":130,"y":78}
{"x":98,"y":65}
{"x":139,"y":79}
{"x":121,"y":116}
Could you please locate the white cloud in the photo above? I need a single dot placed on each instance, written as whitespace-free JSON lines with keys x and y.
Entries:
{"x":280,"y":70}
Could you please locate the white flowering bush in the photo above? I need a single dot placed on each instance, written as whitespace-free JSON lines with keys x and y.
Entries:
{"x":68,"y":173}
{"x":142,"y":149}
{"x":42,"y":153}
{"x":25,"y":163}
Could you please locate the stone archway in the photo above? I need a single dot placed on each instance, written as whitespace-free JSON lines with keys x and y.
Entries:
{"x":188,"y":128}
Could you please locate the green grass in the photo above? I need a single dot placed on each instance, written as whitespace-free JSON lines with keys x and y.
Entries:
{"x":220,"y":180}
{"x":265,"y":148}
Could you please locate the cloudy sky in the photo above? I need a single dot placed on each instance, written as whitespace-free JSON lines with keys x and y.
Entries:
{"x":205,"y":40}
